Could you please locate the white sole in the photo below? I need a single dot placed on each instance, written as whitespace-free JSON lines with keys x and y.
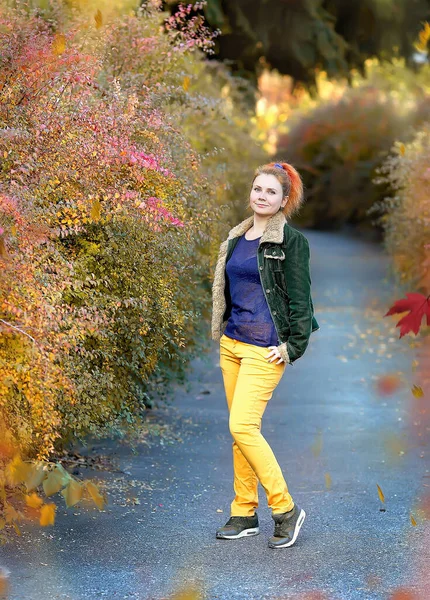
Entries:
{"x":300,"y":520}
{"x":244,"y":533}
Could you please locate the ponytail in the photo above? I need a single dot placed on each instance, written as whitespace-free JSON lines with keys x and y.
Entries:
{"x":296,"y":187}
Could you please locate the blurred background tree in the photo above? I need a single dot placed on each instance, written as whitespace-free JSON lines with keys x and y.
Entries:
{"x":297,"y":37}
{"x":339,"y":140}
{"x":333,"y":84}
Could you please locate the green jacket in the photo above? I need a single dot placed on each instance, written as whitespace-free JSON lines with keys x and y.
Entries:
{"x":283,"y":260}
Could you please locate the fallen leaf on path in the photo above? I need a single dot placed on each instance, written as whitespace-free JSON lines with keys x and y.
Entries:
{"x":317,"y":445}
{"x":380,"y":494}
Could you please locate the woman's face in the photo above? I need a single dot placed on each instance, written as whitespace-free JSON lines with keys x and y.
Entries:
{"x":266,"y":195}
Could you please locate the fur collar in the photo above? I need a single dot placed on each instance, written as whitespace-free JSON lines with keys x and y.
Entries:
{"x":274,"y":232}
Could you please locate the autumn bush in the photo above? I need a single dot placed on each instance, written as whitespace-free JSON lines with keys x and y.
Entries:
{"x":339,"y":143}
{"x":405,"y":213}
{"x":120,"y":148}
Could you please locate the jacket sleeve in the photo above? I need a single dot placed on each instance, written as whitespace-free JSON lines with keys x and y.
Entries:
{"x":298,"y":279}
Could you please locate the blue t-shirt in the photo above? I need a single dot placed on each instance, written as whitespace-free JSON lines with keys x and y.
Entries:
{"x":250,"y":320}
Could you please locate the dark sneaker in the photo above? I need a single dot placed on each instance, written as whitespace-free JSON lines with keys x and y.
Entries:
{"x":287,"y":527}
{"x":237,"y":527}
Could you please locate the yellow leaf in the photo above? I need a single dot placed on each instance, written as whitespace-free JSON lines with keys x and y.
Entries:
{"x":98,"y":19}
{"x":17,"y":529}
{"x":72,"y":493}
{"x":380,"y":494}
{"x":328,"y":481}
{"x":35,"y":477}
{"x":53,"y":483}
{"x":402,"y":149}
{"x":47,"y":514}
{"x":414,"y":523}
{"x":56,"y":479}
{"x":417,"y":391}
{"x":186,"y":83}
{"x":95,"y":210}
{"x":17,"y":471}
{"x":59,"y":44}
{"x":65,"y":474}
{"x":5,"y":154}
{"x":95,"y":494}
{"x":3,"y":251}
{"x":33,"y":500}
{"x":13,"y":230}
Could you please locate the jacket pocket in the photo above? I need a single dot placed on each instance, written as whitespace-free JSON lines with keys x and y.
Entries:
{"x":281,"y":292}
{"x":275,"y":259}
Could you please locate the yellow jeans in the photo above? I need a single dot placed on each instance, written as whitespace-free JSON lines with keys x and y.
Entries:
{"x":249,"y":382}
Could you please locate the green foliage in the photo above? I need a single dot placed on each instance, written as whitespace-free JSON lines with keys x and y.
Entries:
{"x":118,"y":146}
{"x":118,"y":142}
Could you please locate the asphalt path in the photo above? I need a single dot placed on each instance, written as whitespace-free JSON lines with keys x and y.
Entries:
{"x":335,"y":438}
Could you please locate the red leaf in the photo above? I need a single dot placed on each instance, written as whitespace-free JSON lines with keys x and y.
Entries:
{"x":417,"y":305}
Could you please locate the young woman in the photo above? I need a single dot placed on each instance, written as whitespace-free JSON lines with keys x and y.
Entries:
{"x":263,"y":317}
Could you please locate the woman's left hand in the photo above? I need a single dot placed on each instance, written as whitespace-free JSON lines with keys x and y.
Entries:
{"x":275,"y":354}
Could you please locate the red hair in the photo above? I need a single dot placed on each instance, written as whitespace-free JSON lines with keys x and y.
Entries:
{"x":291,"y":182}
